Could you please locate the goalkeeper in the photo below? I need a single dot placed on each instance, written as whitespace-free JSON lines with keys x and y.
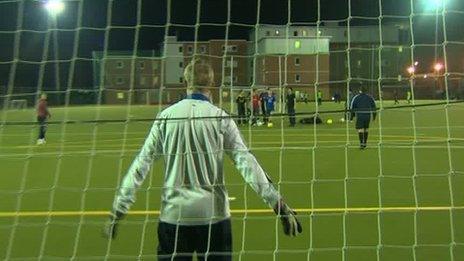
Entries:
{"x":363,"y":106}
{"x":195,"y":215}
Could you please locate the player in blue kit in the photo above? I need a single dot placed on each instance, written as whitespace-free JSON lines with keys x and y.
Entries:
{"x":363,"y":107}
{"x":270,"y":105}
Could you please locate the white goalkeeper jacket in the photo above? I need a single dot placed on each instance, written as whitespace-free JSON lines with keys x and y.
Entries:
{"x":192,"y":136}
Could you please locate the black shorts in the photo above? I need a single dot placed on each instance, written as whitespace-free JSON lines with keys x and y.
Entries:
{"x":213,"y":241}
{"x":41,"y":120}
{"x":362,"y":122}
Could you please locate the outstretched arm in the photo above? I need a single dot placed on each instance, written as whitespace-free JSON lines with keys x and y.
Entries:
{"x":351,"y":108}
{"x":247,"y":164}
{"x":255,"y":176}
{"x":133,"y":179}
{"x":373,"y":108}
{"x":138,"y":171}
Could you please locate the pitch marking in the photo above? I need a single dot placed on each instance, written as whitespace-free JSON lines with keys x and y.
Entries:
{"x":234,"y":211}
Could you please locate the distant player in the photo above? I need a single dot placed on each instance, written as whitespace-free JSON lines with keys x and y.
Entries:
{"x":306,"y":97}
{"x":319,"y":97}
{"x":362,"y":107}
{"x":241,"y":108}
{"x":195,"y":215}
{"x":290,"y":101}
{"x":263,"y":100}
{"x":270,"y":105}
{"x":255,"y":104}
{"x":395,"y":97}
{"x":42,"y":115}
{"x":409,"y":96}
{"x":337,"y":97}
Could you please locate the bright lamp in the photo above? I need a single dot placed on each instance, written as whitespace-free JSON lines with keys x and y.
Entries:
{"x":54,"y":7}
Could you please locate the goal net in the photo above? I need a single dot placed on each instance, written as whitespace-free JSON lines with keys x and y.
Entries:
{"x":109,"y":67}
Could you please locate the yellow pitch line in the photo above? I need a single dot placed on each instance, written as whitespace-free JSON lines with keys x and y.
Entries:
{"x":234,"y":211}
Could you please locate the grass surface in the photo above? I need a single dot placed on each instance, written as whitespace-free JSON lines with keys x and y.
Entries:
{"x":361,"y":205}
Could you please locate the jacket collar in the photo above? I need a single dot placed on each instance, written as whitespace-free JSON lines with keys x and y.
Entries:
{"x":197,"y":96}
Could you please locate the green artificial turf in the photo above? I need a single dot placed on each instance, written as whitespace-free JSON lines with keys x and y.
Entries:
{"x":409,"y":163}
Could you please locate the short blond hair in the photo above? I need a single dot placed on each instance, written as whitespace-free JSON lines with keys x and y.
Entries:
{"x":198,"y":74}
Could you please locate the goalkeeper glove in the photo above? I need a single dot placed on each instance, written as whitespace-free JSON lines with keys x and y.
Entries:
{"x":110,"y":229}
{"x":290,"y":223}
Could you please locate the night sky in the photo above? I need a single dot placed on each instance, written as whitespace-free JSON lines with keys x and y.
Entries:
{"x":124,"y":25}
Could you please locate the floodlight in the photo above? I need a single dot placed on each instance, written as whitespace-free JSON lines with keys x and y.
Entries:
{"x":434,"y":4}
{"x":54,"y":7}
{"x":438,"y":67}
{"x":411,"y":69}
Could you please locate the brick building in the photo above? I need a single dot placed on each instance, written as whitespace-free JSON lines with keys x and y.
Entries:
{"x":291,"y":57}
{"x":128,"y":79}
{"x":331,"y":57}
{"x":228,"y":59}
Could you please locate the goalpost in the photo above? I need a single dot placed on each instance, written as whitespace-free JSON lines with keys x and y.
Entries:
{"x":20,"y":104}
{"x":400,"y":199}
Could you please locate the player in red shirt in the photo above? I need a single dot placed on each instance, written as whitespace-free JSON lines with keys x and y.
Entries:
{"x":42,"y":115}
{"x":255,"y":103}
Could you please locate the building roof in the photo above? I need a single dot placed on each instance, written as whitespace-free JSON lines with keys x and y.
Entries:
{"x":120,"y":53}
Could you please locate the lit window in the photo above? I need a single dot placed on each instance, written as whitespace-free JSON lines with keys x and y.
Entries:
{"x":297,"y":44}
{"x":304,"y":33}
{"x":120,"y":64}
{"x":277,"y":32}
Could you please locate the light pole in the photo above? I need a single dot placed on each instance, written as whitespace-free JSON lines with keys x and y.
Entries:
{"x":436,"y":6}
{"x":437,"y":68}
{"x":411,"y":70}
{"x":54,"y":8}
